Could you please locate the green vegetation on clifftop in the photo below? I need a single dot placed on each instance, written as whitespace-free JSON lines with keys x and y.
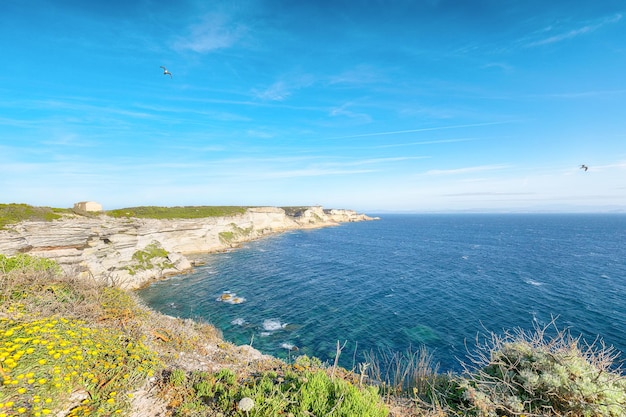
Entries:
{"x":182,"y":212}
{"x":15,"y":213}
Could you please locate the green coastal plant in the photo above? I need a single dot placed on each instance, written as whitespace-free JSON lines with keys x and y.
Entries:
{"x":146,"y":259}
{"x":292,"y":391}
{"x":236,"y":232}
{"x":27,"y":264}
{"x":43,"y":361}
{"x":411,"y":371}
{"x":537,"y":374}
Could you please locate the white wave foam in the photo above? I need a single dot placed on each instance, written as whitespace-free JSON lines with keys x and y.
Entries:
{"x":288,"y":346}
{"x":238,"y":322}
{"x":271,"y":325}
{"x":533,"y":282}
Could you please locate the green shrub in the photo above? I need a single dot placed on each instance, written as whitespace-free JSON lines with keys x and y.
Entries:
{"x":237,"y":232}
{"x":143,"y":260}
{"x":321,"y":395}
{"x":296,"y":393}
{"x":178,"y":377}
{"x":533,"y":374}
{"x":27,"y":264}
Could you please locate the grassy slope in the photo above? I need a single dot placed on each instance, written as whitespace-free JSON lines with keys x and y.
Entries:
{"x":182,"y":212}
{"x":15,"y":213}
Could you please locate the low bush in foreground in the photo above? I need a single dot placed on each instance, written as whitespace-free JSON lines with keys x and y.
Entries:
{"x":539,"y":374}
{"x":297,"y":391}
{"x":44,"y":361}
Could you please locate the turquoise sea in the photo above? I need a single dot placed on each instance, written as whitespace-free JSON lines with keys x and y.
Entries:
{"x":411,"y":280}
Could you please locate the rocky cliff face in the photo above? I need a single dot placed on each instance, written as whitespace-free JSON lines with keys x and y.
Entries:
{"x":132,"y":252}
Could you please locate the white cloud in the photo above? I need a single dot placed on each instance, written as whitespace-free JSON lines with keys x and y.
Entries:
{"x":582,"y":94}
{"x":284,"y":87}
{"x":343,"y":111}
{"x":572,"y":33}
{"x":259,"y":133}
{"x":275,"y":92}
{"x":426,"y":129}
{"x":361,"y":74}
{"x":499,"y":65}
{"x":466,"y":170}
{"x":216,"y":31}
{"x":424,"y":142}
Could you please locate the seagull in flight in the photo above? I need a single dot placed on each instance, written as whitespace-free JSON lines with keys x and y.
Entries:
{"x":585,"y":167}
{"x":166,"y":72}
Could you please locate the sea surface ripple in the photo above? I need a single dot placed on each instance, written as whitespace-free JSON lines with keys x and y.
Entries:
{"x":411,"y":280}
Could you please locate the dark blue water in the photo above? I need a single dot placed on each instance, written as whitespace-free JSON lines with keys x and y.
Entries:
{"x":412,"y":280}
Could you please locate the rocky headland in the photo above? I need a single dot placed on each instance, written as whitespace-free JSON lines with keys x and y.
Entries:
{"x":132,"y":252}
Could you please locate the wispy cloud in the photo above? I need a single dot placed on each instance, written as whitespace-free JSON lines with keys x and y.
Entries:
{"x":359,"y":75}
{"x":373,"y":161}
{"x":485,"y":194}
{"x":344,"y":111}
{"x":498,"y":65}
{"x":466,"y":170}
{"x":259,"y":133}
{"x":313,"y":172}
{"x":67,"y":139}
{"x":582,"y":94}
{"x":215,"y":31}
{"x":275,"y":92}
{"x":425,"y":142}
{"x":427,"y":129}
{"x":284,"y":87}
{"x":572,"y":33}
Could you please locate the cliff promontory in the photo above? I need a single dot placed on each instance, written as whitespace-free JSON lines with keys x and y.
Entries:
{"x":130,"y":252}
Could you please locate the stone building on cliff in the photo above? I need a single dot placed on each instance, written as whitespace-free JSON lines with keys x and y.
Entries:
{"x":88,"y":206}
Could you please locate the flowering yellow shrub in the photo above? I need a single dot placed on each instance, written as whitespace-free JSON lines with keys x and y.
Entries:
{"x":43,"y":361}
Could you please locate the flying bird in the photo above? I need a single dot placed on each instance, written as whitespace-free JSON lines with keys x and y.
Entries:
{"x":166,"y":72}
{"x":585,"y":167}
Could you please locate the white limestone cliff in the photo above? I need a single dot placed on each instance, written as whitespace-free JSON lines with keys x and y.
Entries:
{"x":131,"y":252}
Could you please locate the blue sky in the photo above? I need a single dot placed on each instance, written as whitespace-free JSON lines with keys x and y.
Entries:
{"x":432,"y":105}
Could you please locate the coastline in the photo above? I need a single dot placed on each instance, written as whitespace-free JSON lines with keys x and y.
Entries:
{"x":130,"y":253}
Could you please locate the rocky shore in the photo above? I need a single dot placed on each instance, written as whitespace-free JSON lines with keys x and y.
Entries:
{"x":132,"y":252}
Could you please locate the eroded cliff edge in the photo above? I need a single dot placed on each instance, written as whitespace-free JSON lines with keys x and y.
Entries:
{"x":131,"y":252}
